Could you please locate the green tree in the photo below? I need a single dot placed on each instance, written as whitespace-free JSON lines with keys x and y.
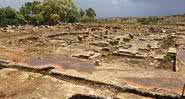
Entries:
{"x":7,"y":12}
{"x":90,"y":13}
{"x":82,"y":13}
{"x":30,"y":8}
{"x":20,"y":18}
{"x":37,"y":19}
{"x":9,"y":16}
{"x":36,"y":7}
{"x":63,"y":8}
{"x":25,"y":10}
{"x":55,"y":18}
{"x":73,"y":15}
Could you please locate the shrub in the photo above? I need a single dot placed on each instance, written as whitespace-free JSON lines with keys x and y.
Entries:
{"x":54,"y":19}
{"x":37,"y":19}
{"x":7,"y":12}
{"x":20,"y":18}
{"x":6,"y":21}
{"x":88,"y":20}
{"x":73,"y":15}
{"x":168,"y":58}
{"x":8,"y":16}
{"x":82,"y":13}
{"x":149,"y":20}
{"x":90,"y":13}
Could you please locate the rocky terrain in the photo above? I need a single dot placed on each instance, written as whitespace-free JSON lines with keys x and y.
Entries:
{"x":92,"y":61}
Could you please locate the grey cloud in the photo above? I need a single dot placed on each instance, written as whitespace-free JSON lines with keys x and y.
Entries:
{"x":122,"y":8}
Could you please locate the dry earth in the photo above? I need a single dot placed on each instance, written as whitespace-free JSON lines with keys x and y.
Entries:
{"x":119,"y":54}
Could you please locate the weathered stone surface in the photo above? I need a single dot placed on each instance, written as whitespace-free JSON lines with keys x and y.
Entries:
{"x":101,"y":43}
{"x":125,"y":46}
{"x":155,"y":45}
{"x":159,"y":57}
{"x":87,"y":55}
{"x":163,"y":31}
{"x":141,"y":55}
{"x":126,"y":52}
{"x":172,"y":50}
{"x":97,"y":62}
{"x":127,"y":38}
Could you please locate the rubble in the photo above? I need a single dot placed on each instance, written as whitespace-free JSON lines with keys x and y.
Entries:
{"x":86,"y":55}
{"x":66,"y":33}
{"x":163,"y":31}
{"x":126,"y":52}
{"x":154,"y":45}
{"x":97,"y":63}
{"x":101,"y":43}
{"x":109,"y":51}
{"x":127,"y":38}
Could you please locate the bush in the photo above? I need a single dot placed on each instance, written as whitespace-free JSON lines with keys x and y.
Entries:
{"x":8,"y":16}
{"x":20,"y":18}
{"x":73,"y":15}
{"x":6,"y":21}
{"x":7,"y":12}
{"x":37,"y":19}
{"x":90,"y":13}
{"x":88,"y":20}
{"x":149,"y":20}
{"x":168,"y":58}
{"x":54,"y":19}
{"x":73,"y":19}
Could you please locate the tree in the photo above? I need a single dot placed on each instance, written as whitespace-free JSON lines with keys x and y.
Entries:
{"x":37,"y":19}
{"x":55,"y":18}
{"x":90,"y":13}
{"x":82,"y":13}
{"x":30,"y":8}
{"x":9,"y":16}
{"x":7,"y":12}
{"x":66,"y":9}
{"x":73,"y":15}
{"x":20,"y":18}
{"x":46,"y":12}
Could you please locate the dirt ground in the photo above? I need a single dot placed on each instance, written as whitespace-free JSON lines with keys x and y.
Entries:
{"x":118,"y":54}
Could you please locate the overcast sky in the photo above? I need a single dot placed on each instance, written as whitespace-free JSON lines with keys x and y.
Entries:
{"x":122,"y":8}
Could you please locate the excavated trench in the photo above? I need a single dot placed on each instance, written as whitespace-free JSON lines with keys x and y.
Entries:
{"x":93,"y":84}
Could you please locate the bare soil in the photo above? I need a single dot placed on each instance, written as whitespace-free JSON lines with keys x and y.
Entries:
{"x":56,"y":46}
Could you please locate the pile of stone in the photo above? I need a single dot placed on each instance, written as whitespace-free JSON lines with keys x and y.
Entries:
{"x":126,"y":52}
{"x":7,"y":29}
{"x":100,"y":43}
{"x":52,"y":35}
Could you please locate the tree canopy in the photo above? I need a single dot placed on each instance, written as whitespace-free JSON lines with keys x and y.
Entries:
{"x":82,"y":13}
{"x":9,"y":16}
{"x":90,"y":13}
{"x":46,"y":12}
{"x":30,"y":8}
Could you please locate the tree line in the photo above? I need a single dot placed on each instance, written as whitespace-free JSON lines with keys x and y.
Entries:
{"x":49,"y":12}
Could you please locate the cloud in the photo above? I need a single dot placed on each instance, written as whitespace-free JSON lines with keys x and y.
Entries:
{"x":120,"y":8}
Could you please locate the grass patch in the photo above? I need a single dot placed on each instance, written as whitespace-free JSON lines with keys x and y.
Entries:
{"x":168,"y":58}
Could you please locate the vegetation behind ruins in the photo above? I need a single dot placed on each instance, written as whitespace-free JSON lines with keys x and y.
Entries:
{"x":48,"y":12}
{"x":51,"y":12}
